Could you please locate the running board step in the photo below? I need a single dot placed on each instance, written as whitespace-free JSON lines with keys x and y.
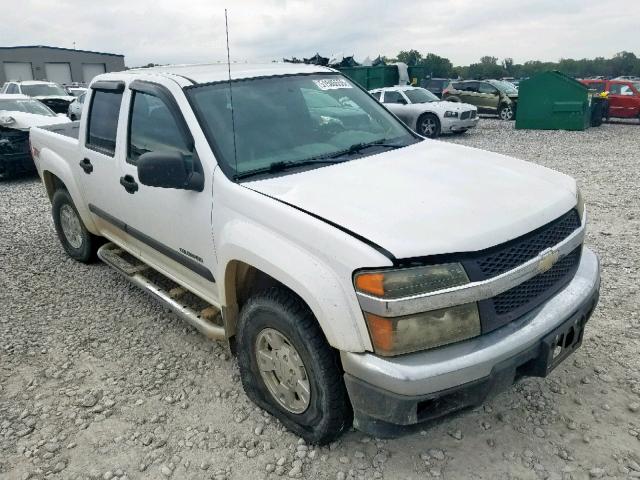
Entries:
{"x":132,"y":269}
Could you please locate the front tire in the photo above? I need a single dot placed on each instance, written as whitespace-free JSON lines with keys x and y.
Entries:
{"x":77,"y":241}
{"x":288,"y":368}
{"x":429,"y":125}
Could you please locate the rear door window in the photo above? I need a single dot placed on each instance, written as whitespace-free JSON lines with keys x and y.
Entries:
{"x":103,"y":121}
{"x":391,"y":96}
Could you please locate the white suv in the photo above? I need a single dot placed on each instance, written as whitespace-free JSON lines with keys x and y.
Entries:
{"x":51,"y":94}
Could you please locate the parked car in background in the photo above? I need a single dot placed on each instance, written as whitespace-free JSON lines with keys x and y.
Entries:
{"x":75,"y":107}
{"x":435,"y":85}
{"x":490,"y":96}
{"x":624,"y":96}
{"x":18,"y":113}
{"x":76,"y":91}
{"x":425,"y":113}
{"x":51,"y":94}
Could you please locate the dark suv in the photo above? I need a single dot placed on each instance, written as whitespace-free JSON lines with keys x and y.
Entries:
{"x":490,"y":96}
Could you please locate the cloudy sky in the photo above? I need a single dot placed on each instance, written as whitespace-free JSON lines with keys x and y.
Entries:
{"x":187,"y":31}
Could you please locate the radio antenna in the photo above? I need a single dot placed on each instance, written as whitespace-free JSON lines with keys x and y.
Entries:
{"x":233,"y":120}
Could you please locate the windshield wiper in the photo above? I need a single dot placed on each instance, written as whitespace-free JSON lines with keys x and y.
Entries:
{"x":358,"y":147}
{"x":354,"y":149}
{"x":277,"y":167}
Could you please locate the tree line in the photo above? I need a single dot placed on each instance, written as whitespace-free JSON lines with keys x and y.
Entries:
{"x":622,"y":63}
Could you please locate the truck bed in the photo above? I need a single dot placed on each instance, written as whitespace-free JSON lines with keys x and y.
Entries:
{"x":58,"y":144}
{"x":71,"y":130}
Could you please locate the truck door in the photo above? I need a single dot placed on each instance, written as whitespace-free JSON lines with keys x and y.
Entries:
{"x":98,"y":169}
{"x":623,"y":100}
{"x":171,"y":227}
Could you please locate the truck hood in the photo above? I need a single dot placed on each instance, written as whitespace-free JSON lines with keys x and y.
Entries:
{"x":429,"y":198}
{"x":24,"y":121}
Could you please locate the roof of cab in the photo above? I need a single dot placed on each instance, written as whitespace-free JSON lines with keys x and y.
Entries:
{"x":208,"y":73}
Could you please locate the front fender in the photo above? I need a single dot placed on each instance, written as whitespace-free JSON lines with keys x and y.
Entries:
{"x":298,"y":269}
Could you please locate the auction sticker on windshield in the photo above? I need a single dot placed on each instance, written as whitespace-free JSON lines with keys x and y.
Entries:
{"x":332,"y":83}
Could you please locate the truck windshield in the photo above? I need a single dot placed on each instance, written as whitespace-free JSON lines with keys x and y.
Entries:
{"x":296,"y":121}
{"x":44,"y":90}
{"x":26,"y":106}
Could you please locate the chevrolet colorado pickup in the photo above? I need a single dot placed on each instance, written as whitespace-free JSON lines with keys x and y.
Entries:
{"x":359,"y":272}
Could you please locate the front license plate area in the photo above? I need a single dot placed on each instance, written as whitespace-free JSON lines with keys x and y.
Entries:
{"x":562,"y":342}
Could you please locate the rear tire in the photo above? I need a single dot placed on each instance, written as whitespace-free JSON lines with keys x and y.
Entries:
{"x":505,"y":112}
{"x":319,"y":410}
{"x":429,"y":125}
{"x":77,"y":241}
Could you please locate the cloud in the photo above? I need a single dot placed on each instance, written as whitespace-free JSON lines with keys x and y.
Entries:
{"x":166,"y":31}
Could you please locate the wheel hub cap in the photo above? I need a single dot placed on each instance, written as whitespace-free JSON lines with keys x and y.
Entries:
{"x":71,"y":227}
{"x":428,"y":126}
{"x":282,"y":370}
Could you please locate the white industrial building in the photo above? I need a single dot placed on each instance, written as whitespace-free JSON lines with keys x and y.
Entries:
{"x":55,"y":64}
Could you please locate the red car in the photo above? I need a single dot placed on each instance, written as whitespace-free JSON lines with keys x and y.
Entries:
{"x":624,"y":96}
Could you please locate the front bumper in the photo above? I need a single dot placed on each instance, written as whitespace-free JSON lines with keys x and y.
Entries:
{"x":456,"y":125}
{"x":386,"y":392}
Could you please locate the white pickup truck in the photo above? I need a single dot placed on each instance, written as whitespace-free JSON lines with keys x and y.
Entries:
{"x":358,"y":271}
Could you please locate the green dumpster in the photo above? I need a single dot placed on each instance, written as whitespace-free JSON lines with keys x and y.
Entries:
{"x":553,"y":101}
{"x":417,"y":74}
{"x":373,"y":77}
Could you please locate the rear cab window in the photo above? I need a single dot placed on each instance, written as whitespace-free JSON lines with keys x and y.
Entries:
{"x":102,"y":124}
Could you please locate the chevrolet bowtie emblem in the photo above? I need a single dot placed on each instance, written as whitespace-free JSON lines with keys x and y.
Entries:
{"x":547,"y":260}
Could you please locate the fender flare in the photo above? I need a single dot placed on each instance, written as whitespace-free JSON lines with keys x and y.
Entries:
{"x":52,"y":164}
{"x":296,"y":268}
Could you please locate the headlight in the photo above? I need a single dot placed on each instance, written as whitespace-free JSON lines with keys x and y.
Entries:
{"x":420,"y":331}
{"x":451,"y":114}
{"x":410,"y":281}
{"x":579,"y":203}
{"x":398,"y":335}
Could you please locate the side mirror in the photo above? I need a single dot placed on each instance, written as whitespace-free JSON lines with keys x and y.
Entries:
{"x":402,"y":101}
{"x":168,"y":169}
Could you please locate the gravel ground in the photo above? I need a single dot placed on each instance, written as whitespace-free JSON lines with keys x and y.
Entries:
{"x":98,"y":381}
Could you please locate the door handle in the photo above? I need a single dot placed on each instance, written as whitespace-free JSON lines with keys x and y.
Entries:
{"x":129,"y":184}
{"x":85,"y":164}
